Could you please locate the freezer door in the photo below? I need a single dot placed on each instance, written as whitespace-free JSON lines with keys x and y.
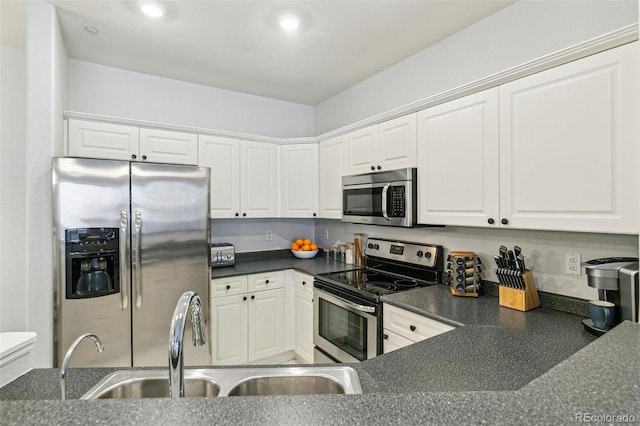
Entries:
{"x":91,"y":194}
{"x":170,"y":245}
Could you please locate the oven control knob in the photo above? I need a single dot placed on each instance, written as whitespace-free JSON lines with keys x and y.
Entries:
{"x":370,"y":245}
{"x":419,"y":253}
{"x":376,"y":247}
{"x":427,"y":255}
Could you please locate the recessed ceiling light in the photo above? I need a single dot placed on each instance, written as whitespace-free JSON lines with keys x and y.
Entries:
{"x":289,"y":22}
{"x":152,"y":9}
{"x":91,"y":30}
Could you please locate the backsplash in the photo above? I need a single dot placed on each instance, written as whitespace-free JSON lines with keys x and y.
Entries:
{"x":544,"y":250}
{"x":249,"y":235}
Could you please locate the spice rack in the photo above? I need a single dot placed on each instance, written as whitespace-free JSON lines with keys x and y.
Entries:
{"x":463,"y":273}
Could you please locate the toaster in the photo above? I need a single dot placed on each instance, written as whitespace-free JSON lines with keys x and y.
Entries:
{"x":222,"y":254}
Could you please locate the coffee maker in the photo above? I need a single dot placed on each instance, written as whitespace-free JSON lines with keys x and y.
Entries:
{"x":616,"y":279}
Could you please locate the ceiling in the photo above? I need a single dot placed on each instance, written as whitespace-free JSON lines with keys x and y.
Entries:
{"x":236,"y":45}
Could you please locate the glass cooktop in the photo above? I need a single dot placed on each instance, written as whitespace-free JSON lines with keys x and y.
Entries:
{"x":371,"y":281}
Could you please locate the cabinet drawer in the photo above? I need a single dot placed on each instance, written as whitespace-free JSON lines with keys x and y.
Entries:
{"x":266,"y":281}
{"x":304,"y":282}
{"x":228,"y":286}
{"x":411,"y":326}
{"x":393,"y":341}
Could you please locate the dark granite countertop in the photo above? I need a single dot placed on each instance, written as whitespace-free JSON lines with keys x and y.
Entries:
{"x":499,"y":366}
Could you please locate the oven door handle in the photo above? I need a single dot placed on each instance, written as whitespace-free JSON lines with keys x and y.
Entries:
{"x":385,"y":214}
{"x":357,"y":307}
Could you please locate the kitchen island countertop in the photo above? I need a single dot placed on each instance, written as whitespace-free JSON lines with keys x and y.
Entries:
{"x":498,"y":366}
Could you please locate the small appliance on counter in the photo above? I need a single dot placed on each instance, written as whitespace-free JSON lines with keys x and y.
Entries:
{"x":222,"y":254}
{"x":463,"y":273}
{"x":616,"y":279}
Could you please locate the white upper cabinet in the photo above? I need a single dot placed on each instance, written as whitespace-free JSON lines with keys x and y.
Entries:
{"x":332,"y":160}
{"x":397,"y":143}
{"x":458,"y":167}
{"x":362,"y":145}
{"x":163,"y":146}
{"x":258,"y":179}
{"x":386,"y":146}
{"x":569,"y":146}
{"x":299,"y":180}
{"x":109,"y":141}
{"x":222,"y":155}
{"x":91,"y":139}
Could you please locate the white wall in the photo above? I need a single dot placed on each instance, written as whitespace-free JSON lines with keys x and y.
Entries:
{"x":115,"y":92}
{"x":517,"y":34}
{"x":13,"y":153}
{"x":46,"y":98}
{"x":250,"y":234}
{"x":544,"y":251}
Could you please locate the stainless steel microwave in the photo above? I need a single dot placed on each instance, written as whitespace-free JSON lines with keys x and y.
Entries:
{"x":382,"y":198}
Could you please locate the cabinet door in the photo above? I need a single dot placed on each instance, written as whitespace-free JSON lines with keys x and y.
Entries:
{"x":163,"y":146}
{"x":391,"y":341}
{"x":362,"y":145}
{"x":299,"y":180}
{"x":569,"y":146}
{"x":303,"y":323}
{"x":266,"y":323}
{"x":222,"y":155}
{"x":333,"y":165}
{"x":458,"y":162}
{"x":397,"y":143}
{"x":229,"y":329}
{"x":259,"y":179}
{"x":102,"y":140}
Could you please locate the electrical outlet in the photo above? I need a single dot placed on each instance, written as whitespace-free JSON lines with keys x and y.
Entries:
{"x":572,"y":263}
{"x":269,"y":235}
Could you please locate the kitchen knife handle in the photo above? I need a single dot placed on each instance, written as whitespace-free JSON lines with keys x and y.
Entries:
{"x":124,"y":270}
{"x":385,"y":214}
{"x":138,"y":259}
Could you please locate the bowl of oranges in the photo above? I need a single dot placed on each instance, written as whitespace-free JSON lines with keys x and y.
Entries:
{"x":304,"y":248}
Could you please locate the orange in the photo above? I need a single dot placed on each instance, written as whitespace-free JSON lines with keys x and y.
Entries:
{"x":294,"y":246}
{"x":314,"y":247}
{"x":306,"y":247}
{"x":307,"y":242}
{"x":299,"y":241}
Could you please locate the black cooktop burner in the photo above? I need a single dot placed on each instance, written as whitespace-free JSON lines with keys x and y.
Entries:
{"x":371,"y":281}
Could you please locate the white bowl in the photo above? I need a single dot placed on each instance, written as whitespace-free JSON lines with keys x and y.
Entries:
{"x":304,"y":254}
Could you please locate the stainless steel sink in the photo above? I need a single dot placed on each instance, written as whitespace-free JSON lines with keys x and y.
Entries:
{"x":287,"y":385}
{"x":213,"y":382}
{"x":150,"y":384}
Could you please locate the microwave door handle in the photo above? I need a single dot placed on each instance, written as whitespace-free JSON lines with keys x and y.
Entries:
{"x":385,"y":214}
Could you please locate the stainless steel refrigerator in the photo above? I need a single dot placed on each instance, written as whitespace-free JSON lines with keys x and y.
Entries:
{"x":129,"y":239}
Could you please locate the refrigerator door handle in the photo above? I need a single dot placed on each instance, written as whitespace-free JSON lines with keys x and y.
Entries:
{"x":137,"y":265}
{"x":124,"y":264}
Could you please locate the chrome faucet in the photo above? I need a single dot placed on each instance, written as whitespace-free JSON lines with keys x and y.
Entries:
{"x":188,"y":301}
{"x":67,"y":358}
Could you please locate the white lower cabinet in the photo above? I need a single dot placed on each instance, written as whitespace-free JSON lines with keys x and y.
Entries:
{"x":247,"y":318}
{"x":303,"y":316}
{"x":402,"y":328}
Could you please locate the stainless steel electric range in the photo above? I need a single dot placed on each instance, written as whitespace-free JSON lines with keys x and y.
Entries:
{"x":347,"y":322}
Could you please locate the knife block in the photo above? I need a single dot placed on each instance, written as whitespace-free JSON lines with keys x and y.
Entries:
{"x":521,"y":300}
